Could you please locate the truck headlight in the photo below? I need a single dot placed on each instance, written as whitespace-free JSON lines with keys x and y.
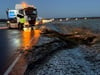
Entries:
{"x":26,"y":23}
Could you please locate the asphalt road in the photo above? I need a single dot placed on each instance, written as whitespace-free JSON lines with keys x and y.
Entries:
{"x":10,"y":41}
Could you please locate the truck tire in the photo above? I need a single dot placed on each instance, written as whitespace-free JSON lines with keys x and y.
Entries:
{"x":20,"y":26}
{"x":9,"y":26}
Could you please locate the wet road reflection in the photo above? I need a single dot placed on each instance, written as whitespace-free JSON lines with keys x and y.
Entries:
{"x":11,"y":40}
{"x":29,"y":38}
{"x":26,"y":39}
{"x":36,"y":37}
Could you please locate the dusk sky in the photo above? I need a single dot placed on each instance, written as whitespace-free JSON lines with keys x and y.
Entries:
{"x":57,"y":8}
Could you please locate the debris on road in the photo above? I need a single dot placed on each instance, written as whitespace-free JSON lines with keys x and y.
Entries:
{"x":65,"y":54}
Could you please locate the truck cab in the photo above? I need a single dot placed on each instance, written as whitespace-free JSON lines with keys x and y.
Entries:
{"x":29,"y":13}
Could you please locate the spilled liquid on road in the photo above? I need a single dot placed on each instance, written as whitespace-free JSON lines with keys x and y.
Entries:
{"x":30,"y":38}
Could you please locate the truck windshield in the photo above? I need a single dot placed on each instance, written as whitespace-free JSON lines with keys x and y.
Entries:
{"x":31,"y":12}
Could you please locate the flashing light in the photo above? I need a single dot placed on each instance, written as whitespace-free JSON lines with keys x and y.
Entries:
{"x":24,"y":5}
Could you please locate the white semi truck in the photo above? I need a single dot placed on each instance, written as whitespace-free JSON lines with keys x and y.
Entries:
{"x":29,"y":12}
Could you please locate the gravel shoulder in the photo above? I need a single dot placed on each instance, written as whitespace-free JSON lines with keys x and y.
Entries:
{"x":52,"y":56}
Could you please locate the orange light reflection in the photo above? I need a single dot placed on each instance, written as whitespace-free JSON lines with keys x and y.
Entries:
{"x":30,"y":38}
{"x":24,"y":5}
{"x":26,"y":37}
{"x":36,"y":37}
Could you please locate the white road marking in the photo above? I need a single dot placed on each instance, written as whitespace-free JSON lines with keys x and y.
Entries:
{"x":12,"y":65}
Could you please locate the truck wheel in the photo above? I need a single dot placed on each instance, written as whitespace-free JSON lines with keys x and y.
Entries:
{"x":18,"y":26}
{"x":9,"y":26}
{"x":22,"y":27}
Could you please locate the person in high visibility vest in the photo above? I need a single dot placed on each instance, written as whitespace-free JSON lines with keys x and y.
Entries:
{"x":22,"y":20}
